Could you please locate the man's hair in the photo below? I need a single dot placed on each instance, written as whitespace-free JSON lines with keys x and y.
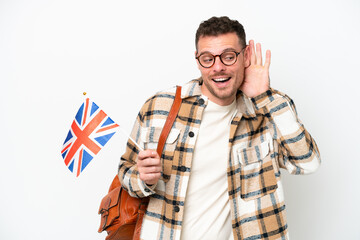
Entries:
{"x":216,"y":26}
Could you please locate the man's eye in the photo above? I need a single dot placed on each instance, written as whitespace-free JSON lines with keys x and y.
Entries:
{"x":207,"y":59}
{"x":228,"y":57}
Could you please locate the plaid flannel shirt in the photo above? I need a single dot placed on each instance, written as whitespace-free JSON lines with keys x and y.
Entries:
{"x":265,"y":135}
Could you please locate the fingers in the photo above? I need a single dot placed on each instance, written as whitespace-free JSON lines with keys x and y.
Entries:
{"x":151,"y":169}
{"x":147,"y":154}
{"x":149,"y":166}
{"x":149,"y":159}
{"x":267,"y":59}
{"x":252,"y":53}
{"x":256,"y":55}
{"x":150,"y":178}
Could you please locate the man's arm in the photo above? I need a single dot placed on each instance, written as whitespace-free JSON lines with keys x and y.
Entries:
{"x":139,"y":170}
{"x":298,"y":152}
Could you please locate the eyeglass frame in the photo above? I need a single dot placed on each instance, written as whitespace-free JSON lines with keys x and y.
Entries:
{"x":219,"y":55}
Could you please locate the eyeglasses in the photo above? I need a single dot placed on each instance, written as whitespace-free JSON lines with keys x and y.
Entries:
{"x":228,"y":58}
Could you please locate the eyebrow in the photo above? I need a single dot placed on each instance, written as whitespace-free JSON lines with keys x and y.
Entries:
{"x":225,"y":50}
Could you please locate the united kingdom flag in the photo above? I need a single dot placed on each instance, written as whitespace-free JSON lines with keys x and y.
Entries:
{"x":89,"y":132}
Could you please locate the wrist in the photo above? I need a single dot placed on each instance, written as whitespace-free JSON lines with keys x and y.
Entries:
{"x":263,"y":99}
{"x":257,"y":93}
{"x":148,"y":188}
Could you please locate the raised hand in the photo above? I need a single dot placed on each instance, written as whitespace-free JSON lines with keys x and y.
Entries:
{"x":256,"y":79}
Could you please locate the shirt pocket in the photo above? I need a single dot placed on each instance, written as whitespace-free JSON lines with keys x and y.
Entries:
{"x":257,"y":176}
{"x":150,"y":137}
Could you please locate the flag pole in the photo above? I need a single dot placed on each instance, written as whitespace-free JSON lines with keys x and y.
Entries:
{"x":127,"y":135}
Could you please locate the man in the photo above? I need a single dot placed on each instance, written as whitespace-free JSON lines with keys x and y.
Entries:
{"x":219,"y":174}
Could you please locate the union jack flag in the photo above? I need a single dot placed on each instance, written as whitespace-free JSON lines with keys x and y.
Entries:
{"x":89,"y":132}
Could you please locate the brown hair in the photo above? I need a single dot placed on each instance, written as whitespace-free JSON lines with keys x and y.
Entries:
{"x":216,"y":26}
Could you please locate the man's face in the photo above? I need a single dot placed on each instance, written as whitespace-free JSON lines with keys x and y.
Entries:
{"x":221,"y":82}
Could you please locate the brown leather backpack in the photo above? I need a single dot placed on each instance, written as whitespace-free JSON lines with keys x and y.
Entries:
{"x":121,"y":214}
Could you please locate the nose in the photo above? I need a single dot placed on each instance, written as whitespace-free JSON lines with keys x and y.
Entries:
{"x":218,"y":65}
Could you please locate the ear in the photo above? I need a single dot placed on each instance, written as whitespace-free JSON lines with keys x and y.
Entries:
{"x":197,"y":62}
{"x":247,"y":56}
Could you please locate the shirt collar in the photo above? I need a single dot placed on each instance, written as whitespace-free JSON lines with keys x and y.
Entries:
{"x":244,"y":104}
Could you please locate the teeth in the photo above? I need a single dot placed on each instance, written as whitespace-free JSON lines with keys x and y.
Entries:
{"x":220,"y":79}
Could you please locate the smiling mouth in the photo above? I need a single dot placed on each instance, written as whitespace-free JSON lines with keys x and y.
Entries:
{"x":221,"y":80}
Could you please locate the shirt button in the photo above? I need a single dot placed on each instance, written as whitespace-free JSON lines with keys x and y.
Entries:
{"x":176,"y":209}
{"x":183,"y":169}
{"x":147,"y":190}
{"x":201,"y":101}
{"x":191,"y":134}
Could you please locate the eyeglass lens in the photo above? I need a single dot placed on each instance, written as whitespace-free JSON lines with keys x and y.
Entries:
{"x":227,"y":58}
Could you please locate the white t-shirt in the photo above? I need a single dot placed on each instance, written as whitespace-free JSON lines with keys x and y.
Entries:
{"x":207,"y":209}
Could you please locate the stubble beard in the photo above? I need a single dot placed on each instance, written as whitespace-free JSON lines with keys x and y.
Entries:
{"x":222,"y":94}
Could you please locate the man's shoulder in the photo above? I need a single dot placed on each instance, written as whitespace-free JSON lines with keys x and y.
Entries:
{"x":164,"y":95}
{"x":160,"y":103}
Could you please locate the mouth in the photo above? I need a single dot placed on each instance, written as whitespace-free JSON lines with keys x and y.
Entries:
{"x":221,"y":80}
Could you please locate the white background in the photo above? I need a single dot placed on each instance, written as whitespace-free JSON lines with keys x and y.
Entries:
{"x":120,"y":53}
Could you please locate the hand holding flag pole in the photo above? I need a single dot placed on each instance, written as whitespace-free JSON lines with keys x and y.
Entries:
{"x":89,"y":132}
